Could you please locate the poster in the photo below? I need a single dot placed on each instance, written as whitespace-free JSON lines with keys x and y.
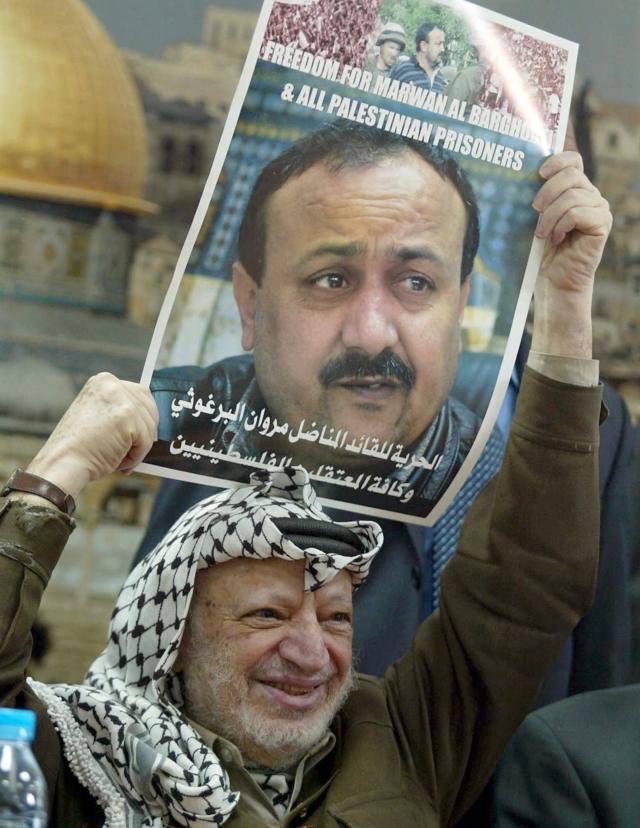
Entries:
{"x":363,"y":251}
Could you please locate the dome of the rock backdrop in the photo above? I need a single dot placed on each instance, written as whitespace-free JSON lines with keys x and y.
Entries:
{"x":72,"y":124}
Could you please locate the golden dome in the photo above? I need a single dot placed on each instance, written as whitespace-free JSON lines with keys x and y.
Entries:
{"x":71,"y":123}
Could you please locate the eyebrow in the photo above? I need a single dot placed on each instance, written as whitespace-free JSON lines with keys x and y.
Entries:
{"x":350,"y":250}
{"x":268,"y":595}
{"x":408,"y":254}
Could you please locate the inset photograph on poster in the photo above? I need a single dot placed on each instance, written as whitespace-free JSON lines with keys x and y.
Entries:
{"x":353,"y":289}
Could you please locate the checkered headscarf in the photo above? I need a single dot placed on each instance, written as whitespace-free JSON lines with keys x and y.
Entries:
{"x":123,"y":732}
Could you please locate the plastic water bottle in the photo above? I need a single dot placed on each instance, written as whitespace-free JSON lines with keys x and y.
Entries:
{"x":23,"y":791}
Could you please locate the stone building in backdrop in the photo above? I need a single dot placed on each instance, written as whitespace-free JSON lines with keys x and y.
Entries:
{"x":615,"y":139}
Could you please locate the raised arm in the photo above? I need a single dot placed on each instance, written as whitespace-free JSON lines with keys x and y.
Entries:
{"x":109,"y":426}
{"x":526,"y":562}
{"x":575,"y":221}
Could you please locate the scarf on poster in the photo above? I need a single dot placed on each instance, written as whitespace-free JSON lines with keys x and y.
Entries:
{"x":122,"y":731}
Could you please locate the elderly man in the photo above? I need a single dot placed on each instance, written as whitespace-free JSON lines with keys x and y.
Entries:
{"x":355,"y":255}
{"x":423,"y":69}
{"x":225,"y":691}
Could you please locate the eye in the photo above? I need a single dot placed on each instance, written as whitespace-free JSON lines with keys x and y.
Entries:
{"x":417,"y":283}
{"x":342,"y":619}
{"x":267,"y":613}
{"x":330,"y":280}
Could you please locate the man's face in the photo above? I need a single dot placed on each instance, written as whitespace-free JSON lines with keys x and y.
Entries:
{"x":433,"y":47}
{"x":389,"y":52}
{"x":266,"y":664}
{"x":360,"y":263}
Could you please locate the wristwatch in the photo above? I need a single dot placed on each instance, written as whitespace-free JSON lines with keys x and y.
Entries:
{"x":22,"y":481}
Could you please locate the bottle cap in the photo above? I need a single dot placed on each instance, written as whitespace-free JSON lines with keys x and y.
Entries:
{"x":17,"y":725}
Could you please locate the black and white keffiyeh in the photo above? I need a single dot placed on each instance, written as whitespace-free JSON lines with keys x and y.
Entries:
{"x":123,"y":732}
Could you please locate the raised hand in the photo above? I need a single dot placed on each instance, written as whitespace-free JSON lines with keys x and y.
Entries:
{"x":575,"y":221}
{"x":110,"y":425}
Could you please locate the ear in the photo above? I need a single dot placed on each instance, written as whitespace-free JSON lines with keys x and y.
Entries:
{"x":245,"y":292}
{"x":465,"y":287}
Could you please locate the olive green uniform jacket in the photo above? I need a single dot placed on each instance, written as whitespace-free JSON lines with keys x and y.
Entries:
{"x":416,"y":748}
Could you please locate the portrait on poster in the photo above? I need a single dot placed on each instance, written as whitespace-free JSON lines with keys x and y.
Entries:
{"x":354,"y":287}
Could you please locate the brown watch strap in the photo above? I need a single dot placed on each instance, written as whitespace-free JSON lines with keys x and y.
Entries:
{"x":22,"y":481}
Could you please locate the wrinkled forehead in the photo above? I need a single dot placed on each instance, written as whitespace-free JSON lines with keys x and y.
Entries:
{"x":401,"y":190}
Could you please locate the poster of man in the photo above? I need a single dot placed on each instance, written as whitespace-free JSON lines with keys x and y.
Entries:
{"x":362,"y":242}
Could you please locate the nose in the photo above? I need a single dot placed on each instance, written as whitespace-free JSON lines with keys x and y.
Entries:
{"x":304,"y":645}
{"x":369,"y":324}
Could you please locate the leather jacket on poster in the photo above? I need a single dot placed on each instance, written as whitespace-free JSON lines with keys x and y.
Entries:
{"x":231,"y":385}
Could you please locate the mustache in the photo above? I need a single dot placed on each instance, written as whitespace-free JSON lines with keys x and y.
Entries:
{"x":356,"y":365}
{"x":274,"y":664}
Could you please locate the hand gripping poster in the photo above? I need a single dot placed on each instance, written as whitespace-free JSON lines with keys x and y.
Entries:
{"x":354,"y":287}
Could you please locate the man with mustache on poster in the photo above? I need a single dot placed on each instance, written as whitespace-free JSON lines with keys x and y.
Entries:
{"x":354,"y":261}
{"x":423,"y":69}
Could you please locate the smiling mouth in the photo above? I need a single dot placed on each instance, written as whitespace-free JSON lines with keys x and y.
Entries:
{"x":291,"y":689}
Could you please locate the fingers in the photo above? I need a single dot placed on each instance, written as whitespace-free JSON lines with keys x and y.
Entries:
{"x":557,"y":162}
{"x":579,"y":210}
{"x":106,"y":393}
{"x":145,"y":408}
{"x":568,"y":201}
{"x":135,"y":419}
{"x":565,"y":178}
{"x":144,"y":397}
{"x":135,"y":455}
{"x":110,"y":425}
{"x":125,"y":411}
{"x":143,"y":426}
